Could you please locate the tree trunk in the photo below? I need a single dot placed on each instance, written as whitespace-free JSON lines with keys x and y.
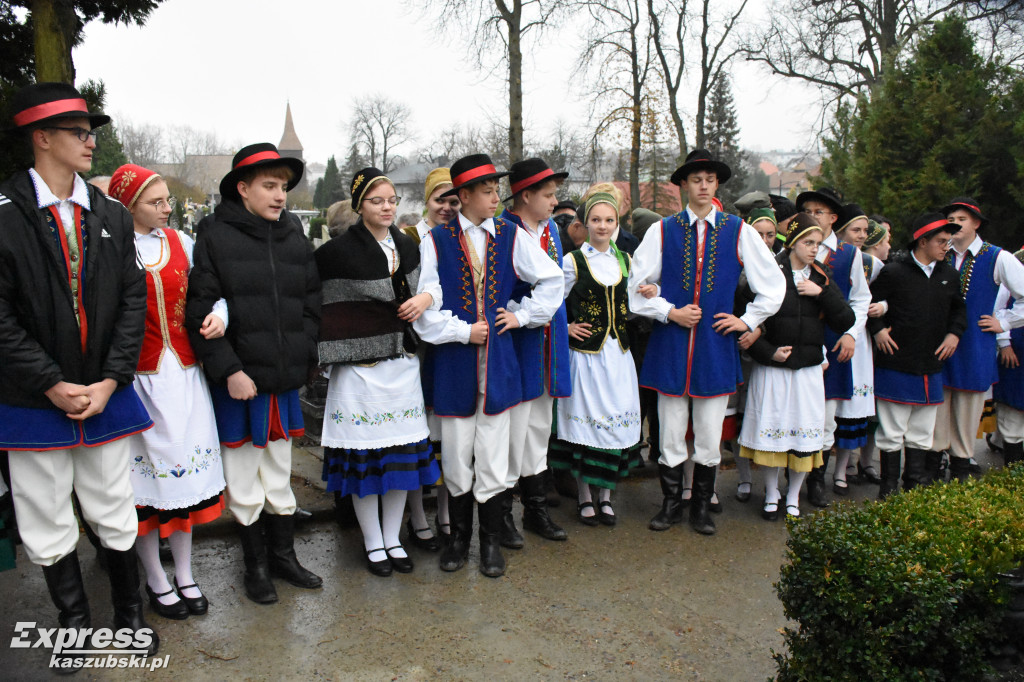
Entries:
{"x":54,"y":25}
{"x":515,"y":83}
{"x":635,"y":125}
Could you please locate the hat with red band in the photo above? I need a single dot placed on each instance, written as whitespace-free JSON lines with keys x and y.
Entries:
{"x":927,"y":225}
{"x":529,"y":173}
{"x":965,"y":204}
{"x":470,"y":170}
{"x":129,"y":182}
{"x":44,"y":102}
{"x":259,"y":155}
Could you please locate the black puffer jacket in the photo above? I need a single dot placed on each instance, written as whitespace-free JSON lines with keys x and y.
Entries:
{"x":800,"y":321}
{"x":267,"y":274}
{"x":40,"y":343}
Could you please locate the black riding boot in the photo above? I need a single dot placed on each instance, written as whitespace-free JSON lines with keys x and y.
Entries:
{"x":492,"y":563}
{"x":700,"y":504}
{"x":672,"y":504}
{"x":816,"y":483}
{"x":509,"y":535}
{"x":456,"y":543}
{"x":535,"y":509}
{"x":281,"y":553}
{"x":258,"y":586}
{"x":889,"y":463}
{"x":959,"y":468}
{"x":1013,"y":453}
{"x":932,"y":467}
{"x":64,"y":581}
{"x":123,"y":570}
{"x":914,"y":467}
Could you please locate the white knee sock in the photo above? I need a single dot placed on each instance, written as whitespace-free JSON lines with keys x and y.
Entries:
{"x":688,"y":476}
{"x":391,"y":520}
{"x":417,"y":516}
{"x":842,"y":458}
{"x":181,"y":550}
{"x":369,"y":523}
{"x":148,"y":549}
{"x":796,"y":479}
{"x":771,"y":485}
{"x":584,"y":495}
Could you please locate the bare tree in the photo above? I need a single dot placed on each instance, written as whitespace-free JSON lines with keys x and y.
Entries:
{"x":482,"y":21}
{"x":715,"y":55}
{"x":617,"y":58}
{"x":380,"y":125}
{"x":184,"y":141}
{"x":143,"y":143}
{"x":671,"y":50}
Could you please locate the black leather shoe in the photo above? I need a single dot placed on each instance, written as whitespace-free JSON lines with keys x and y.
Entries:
{"x":586,"y":520}
{"x":770,"y":511}
{"x":380,"y":568}
{"x":258,"y":585}
{"x":606,"y":518}
{"x":197,"y":606}
{"x":402,"y":564}
{"x":430,"y":544}
{"x":868,"y":473}
{"x":456,"y":543}
{"x":743,"y":496}
{"x":175,"y":611}
{"x":842,"y":490}
{"x":281,"y":556}
{"x":700,"y":505}
{"x":535,"y":510}
{"x":492,"y":563}
{"x":126,"y":598}
{"x":508,"y":535}
{"x":671,"y":505}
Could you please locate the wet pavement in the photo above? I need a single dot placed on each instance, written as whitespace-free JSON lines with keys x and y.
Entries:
{"x":610,"y":603}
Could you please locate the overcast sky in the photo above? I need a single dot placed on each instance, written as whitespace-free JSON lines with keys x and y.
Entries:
{"x":230,"y":66}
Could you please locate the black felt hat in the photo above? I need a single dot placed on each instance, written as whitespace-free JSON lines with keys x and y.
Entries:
{"x":966,"y":204}
{"x":51,"y":102}
{"x":928,"y":225}
{"x":472,"y":169}
{"x":530,"y":172}
{"x":259,"y":155}
{"x":784,"y":208}
{"x":698,"y":160}
{"x":825,"y":195}
{"x":847,"y":214}
{"x":801,"y":225}
{"x":566,"y":204}
{"x":362,"y":181}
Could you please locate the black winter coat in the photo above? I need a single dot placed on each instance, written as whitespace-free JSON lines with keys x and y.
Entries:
{"x":267,"y":274}
{"x":800,"y":321}
{"x":922,"y":310}
{"x":40,"y":344}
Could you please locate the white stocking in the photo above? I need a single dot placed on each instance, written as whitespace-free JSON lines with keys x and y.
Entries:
{"x":394,"y":507}
{"x":369,"y":524}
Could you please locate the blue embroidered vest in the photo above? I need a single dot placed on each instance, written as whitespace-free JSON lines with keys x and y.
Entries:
{"x":541,"y":353}
{"x":1010,"y":389}
{"x":839,"y":375}
{"x":975,"y":366}
{"x":696,"y":362}
{"x":456,"y":383}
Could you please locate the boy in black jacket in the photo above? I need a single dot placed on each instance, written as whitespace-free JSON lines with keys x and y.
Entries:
{"x":252,"y":253}
{"x":920,"y":330}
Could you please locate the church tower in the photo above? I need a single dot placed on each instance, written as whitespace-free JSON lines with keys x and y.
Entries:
{"x":290,"y":145}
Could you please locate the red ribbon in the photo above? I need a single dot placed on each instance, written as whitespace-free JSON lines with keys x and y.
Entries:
{"x":473,"y":173}
{"x":970,"y":206}
{"x":259,"y":156}
{"x":520,"y":185}
{"x":929,"y":227}
{"x":48,"y":109}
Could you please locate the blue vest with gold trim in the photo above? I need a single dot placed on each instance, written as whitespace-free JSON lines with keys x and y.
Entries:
{"x":839,"y":375}
{"x":975,"y":366}
{"x":1010,"y":388}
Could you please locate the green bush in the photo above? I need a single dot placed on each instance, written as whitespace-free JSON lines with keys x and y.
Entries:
{"x":316,"y":228}
{"x":904,"y":589}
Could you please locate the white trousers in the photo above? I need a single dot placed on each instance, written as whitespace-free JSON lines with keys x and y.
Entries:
{"x":41,"y":483}
{"x":530,"y":430}
{"x":956,"y":425}
{"x":708,"y":413}
{"x":900,"y":424}
{"x":476,"y":447}
{"x":258,"y":478}
{"x":830,"y":425}
{"x":1010,"y":423}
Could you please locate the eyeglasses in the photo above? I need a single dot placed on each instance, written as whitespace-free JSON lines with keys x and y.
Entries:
{"x":81,"y":133}
{"x":818,"y":213}
{"x":159,"y":204}
{"x":379,"y":201}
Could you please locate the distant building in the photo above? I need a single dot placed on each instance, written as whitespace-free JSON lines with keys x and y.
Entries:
{"x":291,"y":147}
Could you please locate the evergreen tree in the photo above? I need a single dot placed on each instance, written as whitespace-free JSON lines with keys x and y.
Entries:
{"x":354,"y":163}
{"x":656,"y":162}
{"x":330,"y":188}
{"x":108,"y":155}
{"x":721,"y":137}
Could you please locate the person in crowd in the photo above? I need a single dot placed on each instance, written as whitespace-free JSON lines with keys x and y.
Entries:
{"x":340,"y":217}
{"x":696,"y":257}
{"x":920,"y":329}
{"x":375,"y":435}
{"x":177,"y":473}
{"x":252,"y":253}
{"x":784,"y":419}
{"x":785,"y":211}
{"x":72,"y":320}
{"x":1008,"y":393}
{"x":598,"y":427}
{"x":477,"y":260}
{"x":981,"y":269}
{"x":543,"y":357}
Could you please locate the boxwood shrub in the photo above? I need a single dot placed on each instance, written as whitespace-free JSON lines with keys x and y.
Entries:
{"x":905,"y":589}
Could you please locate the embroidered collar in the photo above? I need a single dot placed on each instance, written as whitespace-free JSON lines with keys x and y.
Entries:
{"x":487,"y":225}
{"x":46,"y":198}
{"x":422,"y":229}
{"x":692,"y":217}
{"x":589,"y":251}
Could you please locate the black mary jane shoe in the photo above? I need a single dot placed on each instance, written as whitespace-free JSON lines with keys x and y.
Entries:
{"x":380,"y":568}
{"x":444,"y":529}
{"x":197,"y":606}
{"x":842,"y":490}
{"x":743,"y":495}
{"x":868,"y":473}
{"x":176,"y":611}
{"x":770,"y":514}
{"x":431,"y":544}
{"x":586,"y":520}
{"x":606,"y":518}
{"x":402,"y":564}
{"x":715,"y":507}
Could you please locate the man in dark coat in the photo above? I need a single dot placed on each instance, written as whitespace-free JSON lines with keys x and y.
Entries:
{"x":72,"y":316}
{"x":252,"y":253}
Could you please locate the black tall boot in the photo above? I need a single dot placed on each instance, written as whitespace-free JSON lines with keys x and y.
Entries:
{"x":456,"y":543}
{"x":551,"y":495}
{"x":535,"y":509}
{"x":123,"y":570}
{"x":959,"y":468}
{"x":672,"y":504}
{"x":492,"y":563}
{"x":258,"y":586}
{"x":509,"y":535}
{"x":281,"y":553}
{"x":64,"y":581}
{"x":932,"y":467}
{"x":914,"y":466}
{"x":700,"y":503}
{"x":1013,"y":453}
{"x":889,"y":463}
{"x":816,"y":483}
